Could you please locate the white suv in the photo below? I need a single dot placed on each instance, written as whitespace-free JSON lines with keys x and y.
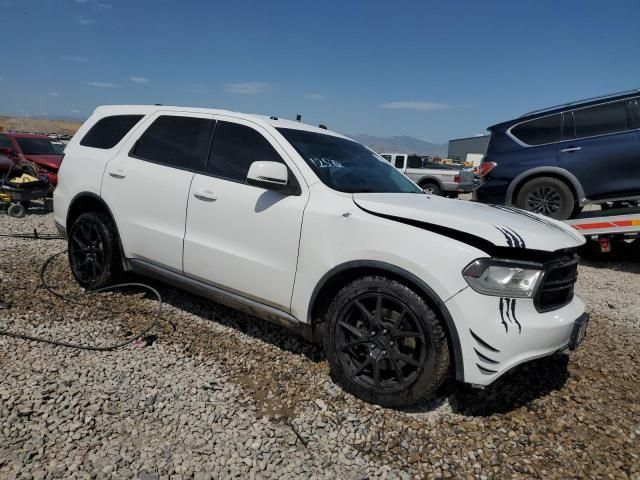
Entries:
{"x":309,"y":229}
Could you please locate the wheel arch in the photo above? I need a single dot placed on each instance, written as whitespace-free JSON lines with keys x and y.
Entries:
{"x":84,"y":202}
{"x":337,"y":277}
{"x":555,"y":172}
{"x":430,"y":179}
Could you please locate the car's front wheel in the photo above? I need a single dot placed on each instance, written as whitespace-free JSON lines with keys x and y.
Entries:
{"x":94,"y":251}
{"x":384,"y":344}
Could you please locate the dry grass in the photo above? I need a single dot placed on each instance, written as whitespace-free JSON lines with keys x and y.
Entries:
{"x":38,"y":125}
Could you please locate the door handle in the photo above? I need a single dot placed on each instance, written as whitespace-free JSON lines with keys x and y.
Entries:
{"x":119,"y":173}
{"x":205,"y":196}
{"x":570,"y":149}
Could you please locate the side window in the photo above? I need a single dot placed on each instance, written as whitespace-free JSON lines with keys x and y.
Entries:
{"x":181,"y":142}
{"x":107,"y":132}
{"x":399,"y":161}
{"x":5,"y":142}
{"x":235,"y":148}
{"x":539,"y":131}
{"x":387,"y":158}
{"x":414,"y":161}
{"x":601,"y":119}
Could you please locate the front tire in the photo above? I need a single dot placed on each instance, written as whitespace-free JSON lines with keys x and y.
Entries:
{"x":94,"y":251}
{"x":384,"y":344}
{"x":548,"y":196}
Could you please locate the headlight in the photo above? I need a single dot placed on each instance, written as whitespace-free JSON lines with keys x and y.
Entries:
{"x":502,"y":278}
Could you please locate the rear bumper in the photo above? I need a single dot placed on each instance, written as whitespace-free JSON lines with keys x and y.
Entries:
{"x":457,"y":187}
{"x":491,"y":192}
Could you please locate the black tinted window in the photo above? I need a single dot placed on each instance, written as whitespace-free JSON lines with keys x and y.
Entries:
{"x":601,"y":119}
{"x":235,"y":148}
{"x":399,"y":161}
{"x":177,"y":141}
{"x":414,"y":161}
{"x":539,"y":131}
{"x":386,"y":157}
{"x":5,"y":142}
{"x":634,"y":110}
{"x":106,"y":133}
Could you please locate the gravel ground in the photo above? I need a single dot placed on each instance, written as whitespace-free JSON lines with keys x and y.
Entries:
{"x":218,"y":394}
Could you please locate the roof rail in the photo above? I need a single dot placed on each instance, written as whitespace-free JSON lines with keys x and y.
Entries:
{"x":600,"y":97}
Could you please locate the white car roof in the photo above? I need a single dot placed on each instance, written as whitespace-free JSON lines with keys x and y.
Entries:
{"x":275,"y":122}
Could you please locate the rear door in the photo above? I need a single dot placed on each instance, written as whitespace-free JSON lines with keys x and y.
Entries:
{"x":147,"y":184}
{"x":601,"y":147}
{"x":241,"y":237}
{"x":398,"y":162}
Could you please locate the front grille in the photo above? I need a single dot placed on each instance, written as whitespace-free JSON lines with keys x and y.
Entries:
{"x":556,"y":288}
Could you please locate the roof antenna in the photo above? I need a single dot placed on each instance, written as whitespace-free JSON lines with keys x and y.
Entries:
{"x":273,"y":117}
{"x":298,"y":117}
{"x":324,"y":127}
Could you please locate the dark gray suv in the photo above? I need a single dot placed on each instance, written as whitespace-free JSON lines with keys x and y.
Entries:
{"x":555,"y":161}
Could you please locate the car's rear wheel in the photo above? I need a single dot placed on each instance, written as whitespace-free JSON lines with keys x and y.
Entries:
{"x":94,"y":251}
{"x":384,"y":344}
{"x":431,"y":188}
{"x":548,"y":196}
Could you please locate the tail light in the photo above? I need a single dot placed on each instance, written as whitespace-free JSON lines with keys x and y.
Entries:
{"x":486,"y":167}
{"x":456,"y":179}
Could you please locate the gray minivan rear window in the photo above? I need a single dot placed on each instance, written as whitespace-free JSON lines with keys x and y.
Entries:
{"x":108,"y":131}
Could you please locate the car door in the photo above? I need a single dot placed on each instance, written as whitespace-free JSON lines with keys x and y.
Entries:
{"x":601,"y":147}
{"x":241,"y":237}
{"x":147,"y":185}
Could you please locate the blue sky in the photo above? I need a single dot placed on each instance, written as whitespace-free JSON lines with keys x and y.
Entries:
{"x":432,"y":70}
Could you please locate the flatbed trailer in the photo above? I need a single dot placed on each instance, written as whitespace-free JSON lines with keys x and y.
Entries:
{"x":604,"y":226}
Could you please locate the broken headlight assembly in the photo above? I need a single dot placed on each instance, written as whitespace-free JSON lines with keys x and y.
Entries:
{"x":503,"y":278}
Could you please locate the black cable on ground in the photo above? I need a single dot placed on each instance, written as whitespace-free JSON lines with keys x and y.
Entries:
{"x":33,"y":236}
{"x":106,"y":348}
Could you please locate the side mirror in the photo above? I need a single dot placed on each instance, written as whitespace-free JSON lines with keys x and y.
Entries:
{"x":271,"y":176}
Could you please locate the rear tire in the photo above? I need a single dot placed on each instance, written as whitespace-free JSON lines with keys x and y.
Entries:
{"x":548,"y":196}
{"x":384,"y":344}
{"x":94,"y":251}
{"x":431,"y":188}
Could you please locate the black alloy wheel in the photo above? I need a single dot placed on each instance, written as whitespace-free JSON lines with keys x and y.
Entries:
{"x":86,"y":252}
{"x":94,"y":250}
{"x":380,"y":343}
{"x":384,"y":343}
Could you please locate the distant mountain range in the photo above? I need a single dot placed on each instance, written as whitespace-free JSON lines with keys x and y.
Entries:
{"x":401,"y":144}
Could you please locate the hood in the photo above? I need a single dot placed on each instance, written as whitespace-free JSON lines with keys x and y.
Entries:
{"x":480,"y":225}
{"x":51,"y":162}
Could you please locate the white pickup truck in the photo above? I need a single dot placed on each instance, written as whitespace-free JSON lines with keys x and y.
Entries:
{"x":433,"y":178}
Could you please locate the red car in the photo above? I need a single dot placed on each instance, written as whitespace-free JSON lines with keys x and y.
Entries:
{"x":43,"y":152}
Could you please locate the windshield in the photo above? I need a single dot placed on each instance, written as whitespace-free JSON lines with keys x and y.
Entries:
{"x":40,"y":146}
{"x":347,"y":166}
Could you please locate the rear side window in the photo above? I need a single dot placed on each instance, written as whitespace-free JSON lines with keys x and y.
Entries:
{"x":399,"y":161}
{"x":107,"y":132}
{"x":235,"y":148}
{"x":414,"y":161}
{"x":386,"y":157}
{"x":601,"y":119}
{"x":539,"y":131}
{"x":181,"y":142}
